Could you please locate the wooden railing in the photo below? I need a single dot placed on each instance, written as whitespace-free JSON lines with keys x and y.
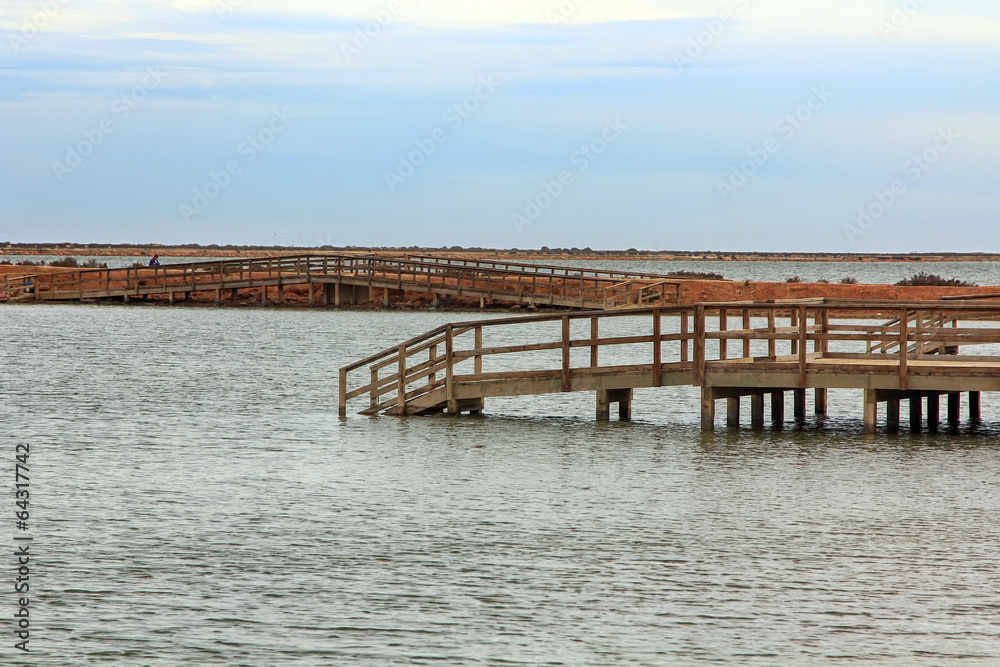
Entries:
{"x":563,"y":286}
{"x":669,"y":345}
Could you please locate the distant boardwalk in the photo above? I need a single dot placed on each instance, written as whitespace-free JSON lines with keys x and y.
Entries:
{"x":348,"y":279}
{"x":729,"y":350}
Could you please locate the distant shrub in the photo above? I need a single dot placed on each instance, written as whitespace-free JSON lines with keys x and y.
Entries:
{"x":794,"y":279}
{"x":93,"y":264}
{"x":65,"y":262}
{"x":136,"y":265}
{"x":28,"y":262}
{"x":704,"y":275}
{"x":923,"y":279}
{"x":849,"y":281}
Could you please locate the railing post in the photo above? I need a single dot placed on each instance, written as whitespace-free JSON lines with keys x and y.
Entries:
{"x":723,"y":326}
{"x":449,"y":352}
{"x":903,"y":345}
{"x":565,"y":354}
{"x":802,"y":345}
{"x":684,"y":341}
{"x":343,"y":393}
{"x":432,"y":358}
{"x":747,"y":325}
{"x":772,"y":343}
{"x":657,"y":358}
{"x":401,"y":382}
{"x":479,"y":345}
{"x":699,"y":346}
{"x":594,"y":335}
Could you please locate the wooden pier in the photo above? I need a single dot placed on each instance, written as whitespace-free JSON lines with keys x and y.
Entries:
{"x":348,"y":279}
{"x":914,"y":352}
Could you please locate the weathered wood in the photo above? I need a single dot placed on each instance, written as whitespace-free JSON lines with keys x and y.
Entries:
{"x":903,"y":344}
{"x":892,"y":415}
{"x":799,"y":405}
{"x":916,"y":414}
{"x":954,"y":408}
{"x":707,"y":407}
{"x":449,"y":354}
{"x":871,"y":411}
{"x":565,"y":354}
{"x":777,"y":408}
{"x":594,"y":347}
{"x":757,"y":409}
{"x":657,"y":358}
{"x":933,"y":411}
{"x":975,"y":406}
{"x":733,"y":412}
{"x":699,"y":346}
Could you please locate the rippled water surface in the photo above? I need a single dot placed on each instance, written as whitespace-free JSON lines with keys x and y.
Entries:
{"x":197,"y":501}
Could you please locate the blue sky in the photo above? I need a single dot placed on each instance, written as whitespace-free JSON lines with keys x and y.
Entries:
{"x":805,"y":125}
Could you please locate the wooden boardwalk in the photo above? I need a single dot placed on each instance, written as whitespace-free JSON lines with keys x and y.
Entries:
{"x":352,"y":279}
{"x":731,"y":351}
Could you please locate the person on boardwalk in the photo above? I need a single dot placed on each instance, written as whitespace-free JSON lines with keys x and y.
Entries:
{"x":155,"y":261}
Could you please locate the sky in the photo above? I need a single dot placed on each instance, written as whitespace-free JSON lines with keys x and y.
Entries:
{"x":731,"y":125}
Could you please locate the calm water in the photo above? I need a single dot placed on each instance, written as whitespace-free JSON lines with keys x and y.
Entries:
{"x":197,"y":501}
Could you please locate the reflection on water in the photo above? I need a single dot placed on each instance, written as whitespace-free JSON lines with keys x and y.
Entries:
{"x":198,"y":501}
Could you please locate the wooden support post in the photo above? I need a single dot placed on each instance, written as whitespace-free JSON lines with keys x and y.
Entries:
{"x":385,"y":297}
{"x":820,"y":402}
{"x":975,"y":406}
{"x":933,"y":411}
{"x":263,"y":295}
{"x":324,"y":295}
{"x":733,"y":412}
{"x":432,"y":358}
{"x":372,"y":396}
{"x":777,"y":408}
{"x":218,"y":296}
{"x":892,"y":415}
{"x":603,"y":406}
{"x":234,"y":294}
{"x":124,"y":297}
{"x":342,"y":403}
{"x":312,"y":293}
{"x":916,"y":414}
{"x":336,"y":294}
{"x":757,"y":409}
{"x":170,"y":298}
{"x":435,"y":300}
{"x":482,"y":303}
{"x":954,"y":408}
{"x":624,"y":397}
{"x":799,"y":405}
{"x":707,"y":409}
{"x":281,"y":293}
{"x":657,"y":358}
{"x":871,"y":411}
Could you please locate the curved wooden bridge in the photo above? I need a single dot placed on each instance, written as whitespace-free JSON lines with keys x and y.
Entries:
{"x":353,"y":279}
{"x":729,"y":350}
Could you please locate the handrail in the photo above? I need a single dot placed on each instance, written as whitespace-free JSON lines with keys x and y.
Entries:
{"x":809,"y":322}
